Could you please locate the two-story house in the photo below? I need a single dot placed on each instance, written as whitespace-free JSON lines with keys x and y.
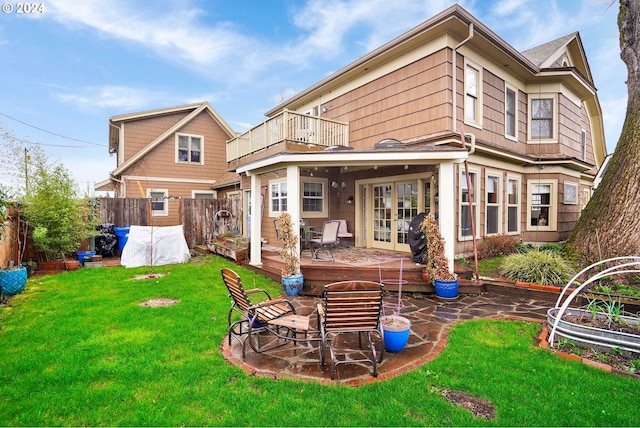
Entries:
{"x":167,"y":154}
{"x":380,"y":141}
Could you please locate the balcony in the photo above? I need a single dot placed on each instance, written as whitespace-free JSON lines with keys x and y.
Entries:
{"x":302,"y":130}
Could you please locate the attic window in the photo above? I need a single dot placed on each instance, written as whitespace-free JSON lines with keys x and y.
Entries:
{"x":189,"y":148}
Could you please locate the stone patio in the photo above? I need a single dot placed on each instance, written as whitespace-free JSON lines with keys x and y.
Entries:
{"x":431,"y":318}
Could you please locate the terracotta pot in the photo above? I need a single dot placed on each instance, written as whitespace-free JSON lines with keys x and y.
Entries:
{"x":58,"y":266}
{"x":425,"y":277}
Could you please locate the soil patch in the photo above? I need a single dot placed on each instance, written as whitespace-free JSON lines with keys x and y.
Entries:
{"x":155,"y":303}
{"x":603,"y":324}
{"x":150,"y":276}
{"x":477,"y":406}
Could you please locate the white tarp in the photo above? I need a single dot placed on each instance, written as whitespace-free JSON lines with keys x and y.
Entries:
{"x":166,"y":244}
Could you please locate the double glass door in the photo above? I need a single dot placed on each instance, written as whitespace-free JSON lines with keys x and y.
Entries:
{"x":393,"y":206}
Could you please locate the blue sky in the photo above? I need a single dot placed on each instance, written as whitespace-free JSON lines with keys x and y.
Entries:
{"x":70,"y":68}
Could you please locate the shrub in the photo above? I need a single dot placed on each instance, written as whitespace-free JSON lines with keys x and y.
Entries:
{"x":542,"y":267}
{"x":497,"y":245}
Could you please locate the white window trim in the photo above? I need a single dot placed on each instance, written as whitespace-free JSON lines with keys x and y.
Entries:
{"x":165,"y":211}
{"x":325,"y":197}
{"x":476,"y":191}
{"x":273,"y":213}
{"x":213,"y":193}
{"x":508,"y":87}
{"x":500,"y":176}
{"x":477,"y":123}
{"x":177,"y":141}
{"x":517,"y":205}
{"x":552,"y":223}
{"x":554,"y":118}
{"x":236,"y":195}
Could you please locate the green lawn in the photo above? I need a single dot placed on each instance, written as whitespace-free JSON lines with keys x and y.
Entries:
{"x":77,"y":349}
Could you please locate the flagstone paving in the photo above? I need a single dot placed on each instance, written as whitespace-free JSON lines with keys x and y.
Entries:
{"x":431,"y":318}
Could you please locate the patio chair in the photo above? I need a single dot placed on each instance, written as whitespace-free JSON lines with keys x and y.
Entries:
{"x":343,"y":232}
{"x":323,"y":241}
{"x":278,"y":234}
{"x":351,"y":307}
{"x":276,"y":317}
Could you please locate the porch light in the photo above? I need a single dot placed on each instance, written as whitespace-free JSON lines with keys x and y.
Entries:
{"x":350,"y":200}
{"x":334,"y":184}
{"x":343,"y":185}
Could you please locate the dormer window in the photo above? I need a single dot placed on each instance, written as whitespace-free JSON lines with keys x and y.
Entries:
{"x":189,"y":148}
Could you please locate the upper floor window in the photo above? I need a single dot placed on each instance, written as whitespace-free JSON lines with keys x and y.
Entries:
{"x":542,"y":118}
{"x":510,"y":113}
{"x":158,"y":197}
{"x":472,"y":91}
{"x":189,"y":148}
{"x":583,"y":145}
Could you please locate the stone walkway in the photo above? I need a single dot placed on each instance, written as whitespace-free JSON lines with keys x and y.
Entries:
{"x":431,"y":318}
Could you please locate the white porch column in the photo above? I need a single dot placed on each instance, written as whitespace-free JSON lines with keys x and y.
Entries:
{"x":447,"y":214}
{"x":293,"y":198}
{"x":256,"y":220}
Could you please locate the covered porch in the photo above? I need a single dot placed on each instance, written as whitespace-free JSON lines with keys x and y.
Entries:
{"x":378,"y":191}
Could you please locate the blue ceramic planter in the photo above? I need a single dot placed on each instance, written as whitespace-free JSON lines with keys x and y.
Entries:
{"x":396,"y":332}
{"x":293,"y":284}
{"x":446,"y":289}
{"x":12,"y":281}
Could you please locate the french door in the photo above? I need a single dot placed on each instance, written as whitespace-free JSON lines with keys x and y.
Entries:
{"x":393,"y":206}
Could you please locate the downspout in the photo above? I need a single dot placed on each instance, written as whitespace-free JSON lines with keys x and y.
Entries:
{"x":454,"y":116}
{"x":454,"y":73}
{"x":470,"y":190}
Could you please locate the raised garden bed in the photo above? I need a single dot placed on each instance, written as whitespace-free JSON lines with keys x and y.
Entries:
{"x":586,"y":331}
{"x":234,"y":248}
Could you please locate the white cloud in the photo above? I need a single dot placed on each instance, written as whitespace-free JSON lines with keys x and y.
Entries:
{"x":123,"y":98}
{"x":328,"y":23}
{"x":172,"y":31}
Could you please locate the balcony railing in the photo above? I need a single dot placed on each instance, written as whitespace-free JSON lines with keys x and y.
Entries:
{"x":289,"y":126}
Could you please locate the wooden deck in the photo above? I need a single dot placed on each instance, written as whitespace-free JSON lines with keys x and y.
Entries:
{"x":359,"y":263}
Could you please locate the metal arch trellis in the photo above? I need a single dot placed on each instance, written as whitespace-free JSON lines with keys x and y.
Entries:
{"x":623,"y":268}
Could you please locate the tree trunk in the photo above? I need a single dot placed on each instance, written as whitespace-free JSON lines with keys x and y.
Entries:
{"x":610,"y":224}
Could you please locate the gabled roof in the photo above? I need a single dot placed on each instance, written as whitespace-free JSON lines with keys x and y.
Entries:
{"x":545,"y":55}
{"x":195,"y":109}
{"x":540,"y":54}
{"x":229,"y":178}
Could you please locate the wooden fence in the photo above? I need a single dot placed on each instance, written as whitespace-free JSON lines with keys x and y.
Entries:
{"x":201,"y":219}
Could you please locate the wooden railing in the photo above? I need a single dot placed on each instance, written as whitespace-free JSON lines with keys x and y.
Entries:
{"x":289,"y":126}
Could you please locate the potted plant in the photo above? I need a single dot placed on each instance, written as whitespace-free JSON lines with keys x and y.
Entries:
{"x":444,"y":281}
{"x":396,"y":330}
{"x":292,"y":277}
{"x":12,"y":278}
